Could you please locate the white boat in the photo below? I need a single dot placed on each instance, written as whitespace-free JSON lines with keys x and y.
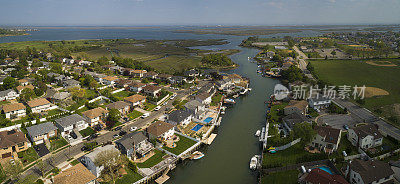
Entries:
{"x":229,"y":100}
{"x":254,"y":162}
{"x":258,"y":133}
{"x":197,"y":155}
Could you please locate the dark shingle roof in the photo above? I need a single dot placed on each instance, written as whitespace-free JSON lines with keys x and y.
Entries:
{"x":130,"y":139}
{"x":365,"y":130}
{"x":371,"y":170}
{"x":41,"y":129}
{"x":69,"y":120}
{"x":179,"y":115}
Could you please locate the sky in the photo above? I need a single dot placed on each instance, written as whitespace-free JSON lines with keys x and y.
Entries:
{"x":197,"y":12}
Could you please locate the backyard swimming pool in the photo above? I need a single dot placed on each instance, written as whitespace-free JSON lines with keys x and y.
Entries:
{"x":208,"y":120}
{"x":325,"y":168}
{"x":197,"y":127}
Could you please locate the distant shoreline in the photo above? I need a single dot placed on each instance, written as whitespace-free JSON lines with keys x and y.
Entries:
{"x":25,"y":34}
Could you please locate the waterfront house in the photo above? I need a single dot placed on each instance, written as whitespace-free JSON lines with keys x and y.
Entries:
{"x":121,"y":106}
{"x":138,"y":73}
{"x":77,"y":174}
{"x":290,"y":120}
{"x":319,"y":103}
{"x":20,"y":88}
{"x":365,"y":136}
{"x":224,"y":84}
{"x":319,"y":176}
{"x":69,"y":123}
{"x":14,"y":110}
{"x":134,"y":145}
{"x":151,"y":90}
{"x":94,"y":116}
{"x":12,"y":142}
{"x":41,"y":132}
{"x":327,"y":139}
{"x":39,"y":105}
{"x":135,"y":100}
{"x":205,"y":97}
{"x":197,"y":107}
{"x":160,"y":130}
{"x":300,"y":106}
{"x":136,"y":86}
{"x":8,"y":94}
{"x":180,"y":117}
{"x":371,"y":171}
{"x":89,"y":159}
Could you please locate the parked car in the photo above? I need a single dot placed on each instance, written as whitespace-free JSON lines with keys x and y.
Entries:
{"x":118,"y":128}
{"x":115,"y":136}
{"x":97,"y":128}
{"x":133,"y":128}
{"x":69,"y":137}
{"x":346,"y":127}
{"x":172,"y":97}
{"x":157,"y":108}
{"x":121,"y":133}
{"x":165,"y":103}
{"x":73,"y":135}
{"x":145,"y":115}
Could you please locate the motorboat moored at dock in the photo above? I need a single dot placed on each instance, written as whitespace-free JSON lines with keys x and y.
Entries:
{"x":254,"y":161}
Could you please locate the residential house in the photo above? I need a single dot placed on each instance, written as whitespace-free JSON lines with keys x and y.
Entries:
{"x":292,"y":119}
{"x":151,"y":75}
{"x":109,"y":80}
{"x":319,"y":103}
{"x":39,"y":105}
{"x":12,"y":142}
{"x":177,"y":79}
{"x":151,"y":90}
{"x":20,"y":88}
{"x":77,"y":174}
{"x":371,"y":171}
{"x":70,"y":83}
{"x":180,"y":117}
{"x":94,"y":116}
{"x":41,"y":132}
{"x":192,"y":73}
{"x":23,"y":82}
{"x":319,"y":176}
{"x":224,"y":84}
{"x":14,"y":110}
{"x":164,"y":77}
{"x":395,"y":166}
{"x":135,"y":100}
{"x":365,"y":136}
{"x":160,"y":130}
{"x":197,"y":107}
{"x":89,"y":159}
{"x":69,"y":123}
{"x":121,"y":106}
{"x":296,"y":106}
{"x":138,"y":73}
{"x":60,"y":96}
{"x":68,"y":61}
{"x":134,"y":145}
{"x":8,"y":94}
{"x":2,"y":79}
{"x":98,"y":77}
{"x":136,"y":86}
{"x":123,"y":83}
{"x":204,"y":98}
{"x":327,"y":139}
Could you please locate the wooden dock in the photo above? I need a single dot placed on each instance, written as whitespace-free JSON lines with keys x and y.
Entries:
{"x":210,"y":139}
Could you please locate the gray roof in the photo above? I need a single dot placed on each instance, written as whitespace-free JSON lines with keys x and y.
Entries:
{"x":71,"y":82}
{"x":371,"y":170}
{"x":61,"y":95}
{"x":179,"y":115}
{"x":193,"y":104}
{"x":5,"y":93}
{"x":69,"y":120}
{"x":41,"y":129}
{"x":294,"y":118}
{"x":130,"y":139}
{"x":92,"y":155}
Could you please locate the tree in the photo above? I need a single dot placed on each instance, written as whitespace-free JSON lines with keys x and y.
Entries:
{"x":113,"y":116}
{"x":112,"y":161}
{"x":77,"y":92}
{"x":27,"y":94}
{"x":304,"y":131}
{"x":9,"y":83}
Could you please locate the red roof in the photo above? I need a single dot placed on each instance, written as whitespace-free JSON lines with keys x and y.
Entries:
{"x":319,"y":176}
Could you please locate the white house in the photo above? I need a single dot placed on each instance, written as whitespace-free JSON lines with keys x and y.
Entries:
{"x":135,"y":100}
{"x":327,"y":139}
{"x":371,"y":171}
{"x":366,"y":136}
{"x":319,"y":103}
{"x":8,"y":94}
{"x":94,"y":116}
{"x":14,"y":110}
{"x":69,"y":123}
{"x":136,"y":86}
{"x":109,"y":80}
{"x":151,"y":90}
{"x":160,"y":130}
{"x":89,"y":159}
{"x":39,"y":105}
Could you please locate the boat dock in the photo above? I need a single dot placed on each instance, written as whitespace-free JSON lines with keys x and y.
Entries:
{"x":264,"y":135}
{"x":210,"y":139}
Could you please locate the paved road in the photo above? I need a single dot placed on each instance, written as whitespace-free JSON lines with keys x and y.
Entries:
{"x":366,"y":116}
{"x":302,"y":62}
{"x":75,"y":150}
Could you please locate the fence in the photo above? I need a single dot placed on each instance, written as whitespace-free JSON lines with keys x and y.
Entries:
{"x":288,"y":145}
{"x":118,"y":90}
{"x":160,"y":101}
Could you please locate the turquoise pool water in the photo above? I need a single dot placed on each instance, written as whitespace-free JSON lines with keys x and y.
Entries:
{"x":197,"y":127}
{"x":208,"y":120}
{"x":327,"y":169}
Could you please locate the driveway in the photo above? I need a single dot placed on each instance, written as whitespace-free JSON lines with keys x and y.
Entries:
{"x":337,"y":120}
{"x":41,"y":149}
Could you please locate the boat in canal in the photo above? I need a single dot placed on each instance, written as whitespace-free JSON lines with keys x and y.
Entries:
{"x":197,"y":155}
{"x":258,"y":133}
{"x":229,"y":101}
{"x":254,"y":162}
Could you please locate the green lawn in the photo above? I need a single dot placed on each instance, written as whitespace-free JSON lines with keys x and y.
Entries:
{"x":149,"y":106}
{"x":57,"y":143}
{"x":54,"y":112}
{"x":28,"y":156}
{"x":216,"y":99}
{"x":90,"y":94}
{"x":293,"y":155}
{"x":129,"y":178}
{"x":345,"y":145}
{"x":74,"y":162}
{"x":86,"y":132}
{"x":182,"y":145}
{"x":288,"y":177}
{"x":154,"y":160}
{"x":122,"y":94}
{"x":274,"y":112}
{"x":134,"y":114}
